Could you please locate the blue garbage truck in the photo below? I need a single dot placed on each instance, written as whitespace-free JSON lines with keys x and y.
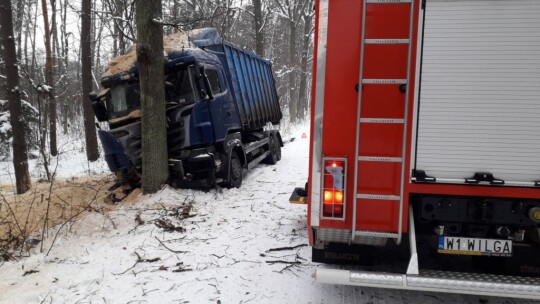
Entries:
{"x":222,"y":112}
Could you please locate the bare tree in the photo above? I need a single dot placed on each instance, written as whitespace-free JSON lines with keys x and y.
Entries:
{"x":92,"y":153}
{"x":307,"y":16}
{"x":2,"y":76}
{"x":258,"y":27}
{"x":292,"y":12}
{"x":20,"y":154}
{"x":49,"y":79}
{"x":155,"y":171}
{"x":18,"y":26}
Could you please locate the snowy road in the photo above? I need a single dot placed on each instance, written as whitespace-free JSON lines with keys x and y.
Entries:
{"x":221,"y":257}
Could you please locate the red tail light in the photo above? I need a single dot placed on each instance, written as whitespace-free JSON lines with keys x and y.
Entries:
{"x":333,"y":188}
{"x":328,"y":196}
{"x":338,"y":197}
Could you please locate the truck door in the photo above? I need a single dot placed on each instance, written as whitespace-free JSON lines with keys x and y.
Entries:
{"x":222,"y":109}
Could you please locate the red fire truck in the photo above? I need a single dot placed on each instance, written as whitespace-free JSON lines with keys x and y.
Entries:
{"x":425,"y":145}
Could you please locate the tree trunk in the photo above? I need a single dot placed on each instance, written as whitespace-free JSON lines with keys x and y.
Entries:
{"x":65,"y":51}
{"x":20,"y":154}
{"x":292,"y":73}
{"x":259,"y":33}
{"x":3,"y":92}
{"x":49,"y":79}
{"x":92,"y":152}
{"x":155,"y":171}
{"x":303,"y":96}
{"x":18,"y":27}
{"x":97,"y":48}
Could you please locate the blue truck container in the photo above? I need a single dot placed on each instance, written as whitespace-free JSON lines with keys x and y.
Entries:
{"x":250,"y":77}
{"x":222,"y":107}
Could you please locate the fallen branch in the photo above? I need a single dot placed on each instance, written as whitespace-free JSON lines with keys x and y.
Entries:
{"x":171,"y":250}
{"x":286,"y":268}
{"x":29,"y":272}
{"x":86,"y":208}
{"x":284,"y":262}
{"x":285,"y":248}
{"x":168,"y":226}
{"x":45,"y":298}
{"x":139,"y":260}
{"x":181,"y":267}
{"x":64,"y":223}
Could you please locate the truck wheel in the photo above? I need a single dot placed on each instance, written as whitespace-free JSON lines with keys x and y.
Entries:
{"x":235,"y":172}
{"x":278,"y":148}
{"x":275,"y":151}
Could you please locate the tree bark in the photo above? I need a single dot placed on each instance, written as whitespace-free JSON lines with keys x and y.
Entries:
{"x":292,"y":73}
{"x":18,"y":27}
{"x":20,"y":154}
{"x":303,"y":90}
{"x":49,"y":80}
{"x":3,"y":92}
{"x":92,"y":153}
{"x":155,"y":171}
{"x":258,"y":24}
{"x":120,"y":7}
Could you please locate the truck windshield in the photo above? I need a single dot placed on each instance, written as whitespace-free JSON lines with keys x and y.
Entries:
{"x":180,"y":87}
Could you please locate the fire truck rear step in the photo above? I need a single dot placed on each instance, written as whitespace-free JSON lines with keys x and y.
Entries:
{"x":437,"y":281}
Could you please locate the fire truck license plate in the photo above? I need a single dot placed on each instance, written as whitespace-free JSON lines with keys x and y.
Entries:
{"x":473,"y":246}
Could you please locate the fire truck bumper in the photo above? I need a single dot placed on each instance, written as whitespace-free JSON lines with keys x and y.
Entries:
{"x":437,"y":281}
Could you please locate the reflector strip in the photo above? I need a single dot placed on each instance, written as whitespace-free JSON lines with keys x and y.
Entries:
{"x":380,"y":159}
{"x":382,"y":120}
{"x":375,"y":234}
{"x":387,"y":41}
{"x":388,"y":1}
{"x":379,"y":197}
{"x":384,"y":81}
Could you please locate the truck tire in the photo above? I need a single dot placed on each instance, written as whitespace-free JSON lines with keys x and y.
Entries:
{"x":235,"y":172}
{"x":275,"y":151}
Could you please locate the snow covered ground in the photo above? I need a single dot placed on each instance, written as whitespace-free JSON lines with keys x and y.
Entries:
{"x":223,"y":256}
{"x":71,"y":161}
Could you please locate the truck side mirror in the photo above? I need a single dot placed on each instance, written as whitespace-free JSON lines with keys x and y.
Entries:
{"x":98,"y":104}
{"x":207,"y":87}
{"x":100,"y":110}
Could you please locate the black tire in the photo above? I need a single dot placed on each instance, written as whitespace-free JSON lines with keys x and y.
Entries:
{"x":235,"y":172}
{"x":278,"y":146}
{"x":275,"y":151}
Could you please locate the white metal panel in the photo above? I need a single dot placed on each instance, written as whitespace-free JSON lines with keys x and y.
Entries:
{"x":316,"y":171}
{"x":479,"y":105}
